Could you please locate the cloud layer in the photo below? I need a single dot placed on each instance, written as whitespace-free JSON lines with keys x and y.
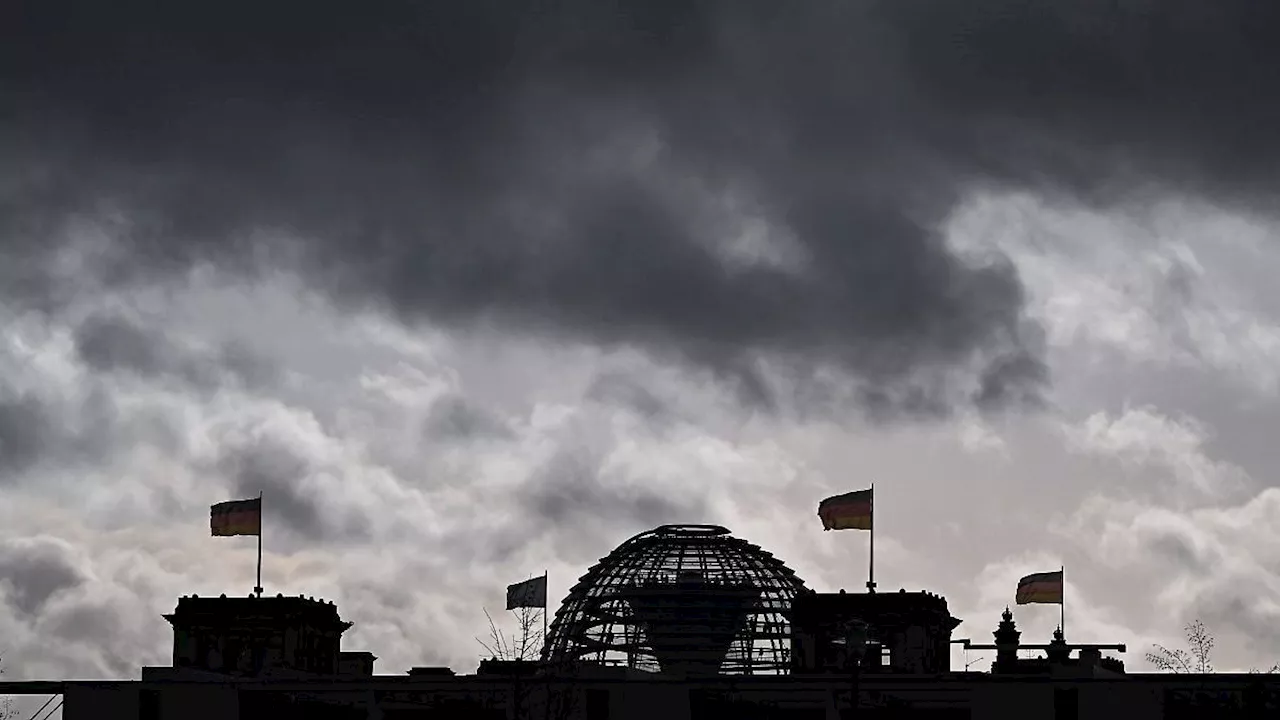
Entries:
{"x":709,"y":180}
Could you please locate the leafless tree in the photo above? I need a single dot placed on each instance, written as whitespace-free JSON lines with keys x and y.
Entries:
{"x":523,"y":644}
{"x":1196,"y":659}
{"x":559,"y":692}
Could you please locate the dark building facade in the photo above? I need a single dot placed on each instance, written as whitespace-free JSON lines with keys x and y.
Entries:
{"x":252,"y":636}
{"x":903,"y":632}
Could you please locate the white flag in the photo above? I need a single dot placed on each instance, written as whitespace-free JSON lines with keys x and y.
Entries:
{"x":530,"y":593}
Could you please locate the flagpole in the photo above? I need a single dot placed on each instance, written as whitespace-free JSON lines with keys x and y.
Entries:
{"x":546,"y":600}
{"x":871,"y":559}
{"x":1062,"y":606}
{"x":258,"y":588}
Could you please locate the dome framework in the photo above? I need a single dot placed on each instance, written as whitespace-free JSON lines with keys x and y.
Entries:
{"x":689,"y":599}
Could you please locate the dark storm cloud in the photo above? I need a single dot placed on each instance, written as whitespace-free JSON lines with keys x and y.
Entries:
{"x":1181,"y":550}
{"x":24,"y":432}
{"x":583,"y":509}
{"x":115,"y":343}
{"x":86,"y":620}
{"x":281,"y":474}
{"x":448,"y":158}
{"x":456,"y":418}
{"x":620,"y":389}
{"x":1103,"y":96}
{"x":111,"y":343}
{"x":34,"y":570}
{"x":75,"y":427}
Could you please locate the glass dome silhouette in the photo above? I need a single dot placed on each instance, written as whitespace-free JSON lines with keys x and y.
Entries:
{"x":683,"y":599}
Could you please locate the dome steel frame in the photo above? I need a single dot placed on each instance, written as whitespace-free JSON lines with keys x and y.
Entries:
{"x":680,"y":598}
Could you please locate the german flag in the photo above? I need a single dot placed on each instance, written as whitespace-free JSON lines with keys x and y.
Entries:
{"x":850,"y":511}
{"x":236,"y":517}
{"x":1040,"y":588}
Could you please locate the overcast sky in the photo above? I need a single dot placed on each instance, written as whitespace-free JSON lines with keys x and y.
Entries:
{"x":474,"y":290}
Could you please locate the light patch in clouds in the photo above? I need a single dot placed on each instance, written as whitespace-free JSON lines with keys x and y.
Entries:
{"x":979,"y":436}
{"x":1144,"y":438}
{"x":1156,"y":285}
{"x":1214,"y":563}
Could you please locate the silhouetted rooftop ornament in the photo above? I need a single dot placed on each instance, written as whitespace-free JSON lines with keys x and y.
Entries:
{"x":1058,"y":651}
{"x":688,"y":599}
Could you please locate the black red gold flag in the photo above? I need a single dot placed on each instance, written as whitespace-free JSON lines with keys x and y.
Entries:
{"x":236,"y":517}
{"x":850,"y":511}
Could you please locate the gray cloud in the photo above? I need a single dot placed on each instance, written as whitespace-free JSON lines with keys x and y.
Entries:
{"x":1236,"y":608}
{"x":34,"y":570}
{"x":89,"y":619}
{"x":116,"y":343}
{"x":456,"y":418}
{"x":111,"y":343}
{"x":623,"y":390}
{"x":849,"y":129}
{"x":75,"y":423}
{"x":264,"y":465}
{"x":583,"y":507}
{"x":1105,"y":100}
{"x":569,"y":488}
{"x":71,"y":427}
{"x":1181,"y":551}
{"x":24,"y":433}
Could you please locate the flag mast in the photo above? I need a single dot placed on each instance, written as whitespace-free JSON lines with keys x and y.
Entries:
{"x":257,"y":589}
{"x":1062,"y":606}
{"x":871,"y":550}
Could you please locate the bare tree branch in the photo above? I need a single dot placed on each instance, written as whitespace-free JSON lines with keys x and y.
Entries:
{"x":1177,"y":661}
{"x":1197,"y":660}
{"x":524,"y":644}
{"x":496,"y":647}
{"x":1201,"y":643}
{"x":529,"y":646}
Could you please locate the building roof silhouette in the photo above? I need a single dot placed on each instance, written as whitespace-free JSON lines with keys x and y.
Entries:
{"x":714,"y":627}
